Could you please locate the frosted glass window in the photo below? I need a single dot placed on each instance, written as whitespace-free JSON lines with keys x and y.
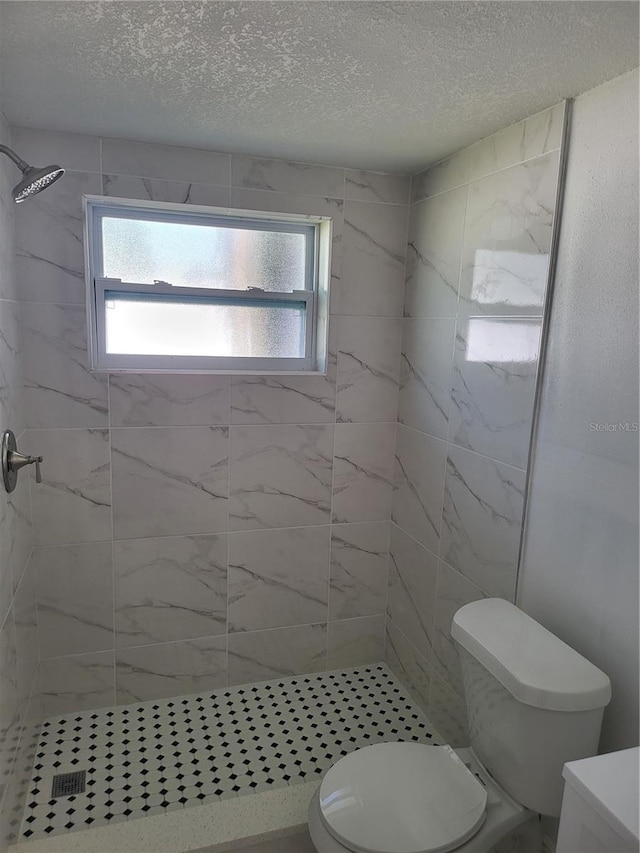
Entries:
{"x":192,"y":255}
{"x":178,"y":287}
{"x":194,"y":328}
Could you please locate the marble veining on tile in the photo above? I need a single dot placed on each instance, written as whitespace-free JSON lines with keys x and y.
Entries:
{"x":155,"y":189}
{"x":433,"y":255}
{"x":286,"y":176}
{"x":425,"y":375}
{"x":419,"y":475}
{"x":165,"y":400}
{"x":73,"y":502}
{"x":505,"y":258}
{"x":358,"y":569}
{"x":172,"y":588}
{"x":376,"y":186}
{"x":278,"y":577}
{"x":75,"y":598}
{"x":374,"y":248}
{"x":169,"y":481}
{"x":368,"y":369}
{"x":481,"y":520}
{"x":292,"y":399}
{"x":60,"y":390}
{"x":280,"y":476}
{"x":411,"y":599}
{"x":363,"y":472}
{"x":494,"y":383}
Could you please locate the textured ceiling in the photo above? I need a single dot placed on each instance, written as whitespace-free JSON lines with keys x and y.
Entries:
{"x":392,"y":86}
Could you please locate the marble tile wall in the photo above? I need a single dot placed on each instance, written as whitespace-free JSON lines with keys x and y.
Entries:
{"x":18,"y":625}
{"x":480,"y":231}
{"x":194,"y":531}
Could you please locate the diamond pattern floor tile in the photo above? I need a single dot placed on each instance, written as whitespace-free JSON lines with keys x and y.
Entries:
{"x":157,"y":756}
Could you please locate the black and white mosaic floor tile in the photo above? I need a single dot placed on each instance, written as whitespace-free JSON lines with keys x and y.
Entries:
{"x":157,"y":756}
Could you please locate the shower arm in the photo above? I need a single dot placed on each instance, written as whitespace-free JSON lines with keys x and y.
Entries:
{"x":20,"y":163}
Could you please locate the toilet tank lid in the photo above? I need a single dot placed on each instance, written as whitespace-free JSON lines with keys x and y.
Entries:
{"x":534,"y":665}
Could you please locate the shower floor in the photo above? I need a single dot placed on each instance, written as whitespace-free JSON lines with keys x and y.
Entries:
{"x":158,"y":756}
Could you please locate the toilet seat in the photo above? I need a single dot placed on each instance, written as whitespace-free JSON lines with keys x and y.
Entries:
{"x":401,"y":798}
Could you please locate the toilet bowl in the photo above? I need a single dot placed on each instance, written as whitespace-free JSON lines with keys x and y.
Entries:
{"x":533,"y":703}
{"x":410,"y":798}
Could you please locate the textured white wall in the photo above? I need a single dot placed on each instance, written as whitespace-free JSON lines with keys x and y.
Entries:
{"x":579,"y":575}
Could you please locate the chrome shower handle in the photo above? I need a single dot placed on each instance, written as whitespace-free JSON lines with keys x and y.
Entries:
{"x":18,"y":460}
{"x":13,"y":461}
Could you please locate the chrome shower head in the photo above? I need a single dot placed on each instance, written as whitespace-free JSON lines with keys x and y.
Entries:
{"x":33,"y":179}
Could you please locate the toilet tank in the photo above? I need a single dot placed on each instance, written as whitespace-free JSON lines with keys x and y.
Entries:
{"x":533,"y":702}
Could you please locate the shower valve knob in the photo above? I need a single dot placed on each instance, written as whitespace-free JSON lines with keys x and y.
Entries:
{"x":13,"y":461}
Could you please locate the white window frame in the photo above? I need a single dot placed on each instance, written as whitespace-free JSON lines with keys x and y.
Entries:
{"x":315,"y":297}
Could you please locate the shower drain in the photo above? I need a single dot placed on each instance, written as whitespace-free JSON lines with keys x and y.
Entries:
{"x":67,"y":784}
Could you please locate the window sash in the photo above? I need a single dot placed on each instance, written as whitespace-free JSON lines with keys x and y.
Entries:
{"x":213,"y":296}
{"x":136,"y":211}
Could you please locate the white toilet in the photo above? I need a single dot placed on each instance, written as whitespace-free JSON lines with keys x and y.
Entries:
{"x":533,"y":704}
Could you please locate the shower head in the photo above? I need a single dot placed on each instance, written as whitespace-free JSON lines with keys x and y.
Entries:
{"x":33,"y":179}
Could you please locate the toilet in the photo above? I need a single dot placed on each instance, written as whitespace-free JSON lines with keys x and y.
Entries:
{"x":533,"y":703}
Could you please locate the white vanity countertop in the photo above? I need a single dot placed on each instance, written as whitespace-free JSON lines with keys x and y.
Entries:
{"x":219,"y":826}
{"x":609,"y":783}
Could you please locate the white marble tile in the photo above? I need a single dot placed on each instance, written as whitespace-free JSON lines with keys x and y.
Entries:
{"x":529,"y":138}
{"x":259,"y":655}
{"x":433,"y":255}
{"x":26,"y":626}
{"x":73,"y":502}
{"x":75,"y":599}
{"x":292,"y":201}
{"x":120,"y":157}
{"x":21,"y":537}
{"x":448,"y":713}
{"x":287,"y":177}
{"x":280,"y":476}
{"x":494,"y":385}
{"x":278,"y":577}
{"x":355,"y":642}
{"x":418,"y":481}
{"x":9,"y":697}
{"x":376,"y":186}
{"x":49,"y":241}
{"x":154,"y":399}
{"x":481,"y":520}
{"x":454,"y":591}
{"x":368,"y":369}
{"x":411,"y":601}
{"x":76,"y":683}
{"x":374,"y":245}
{"x":358,"y":569}
{"x":60,"y":389}
{"x":16,"y":537}
{"x":70,"y":150}
{"x":169,"y":481}
{"x":11,"y":410}
{"x":287,"y":399}
{"x":169,"y":669}
{"x":363,"y":472}
{"x":156,"y":189}
{"x":409,"y":667}
{"x":451,"y":172}
{"x":425,"y":375}
{"x":173,"y":588}
{"x":507,"y":239}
